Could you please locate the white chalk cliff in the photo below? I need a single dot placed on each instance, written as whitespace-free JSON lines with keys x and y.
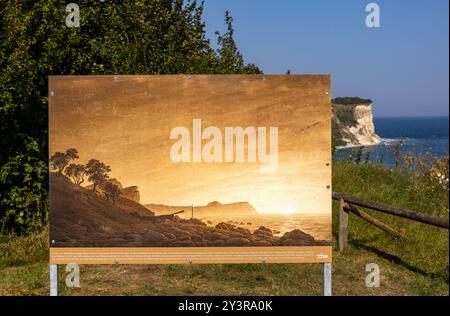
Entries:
{"x":353,"y":125}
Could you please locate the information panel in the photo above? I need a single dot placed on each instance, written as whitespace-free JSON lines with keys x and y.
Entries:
{"x":190,"y":169}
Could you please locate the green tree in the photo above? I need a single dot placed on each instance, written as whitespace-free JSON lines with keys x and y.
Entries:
{"x":115,"y":37}
{"x":230,"y":58}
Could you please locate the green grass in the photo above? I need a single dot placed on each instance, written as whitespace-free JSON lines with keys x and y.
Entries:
{"x":417,"y":266}
{"x":425,"y":250}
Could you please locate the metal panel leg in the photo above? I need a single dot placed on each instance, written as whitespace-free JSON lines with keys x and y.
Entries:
{"x":53,"y":280}
{"x":327,"y":279}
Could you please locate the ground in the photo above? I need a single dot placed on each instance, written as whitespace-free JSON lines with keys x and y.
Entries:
{"x":415,"y":266}
{"x":349,"y":274}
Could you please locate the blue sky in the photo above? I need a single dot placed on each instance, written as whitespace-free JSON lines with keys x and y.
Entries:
{"x":403,"y":66}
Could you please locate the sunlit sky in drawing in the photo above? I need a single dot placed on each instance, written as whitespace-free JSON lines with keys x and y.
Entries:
{"x":126,"y":124}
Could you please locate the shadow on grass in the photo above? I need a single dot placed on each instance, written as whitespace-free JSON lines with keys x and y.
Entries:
{"x":12,"y":262}
{"x":397,"y":260}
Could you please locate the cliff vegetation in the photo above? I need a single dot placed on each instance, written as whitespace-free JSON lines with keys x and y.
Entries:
{"x":351,"y":101}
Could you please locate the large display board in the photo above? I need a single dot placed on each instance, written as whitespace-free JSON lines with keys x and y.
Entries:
{"x":190,"y":169}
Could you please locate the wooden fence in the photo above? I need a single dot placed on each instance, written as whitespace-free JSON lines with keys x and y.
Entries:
{"x":347,"y":204}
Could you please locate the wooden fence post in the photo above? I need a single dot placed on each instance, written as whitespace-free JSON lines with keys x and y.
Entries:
{"x":373,"y":221}
{"x":343,"y":226}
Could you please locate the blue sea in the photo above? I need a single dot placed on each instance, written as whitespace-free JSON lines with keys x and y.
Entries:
{"x":419,"y":134}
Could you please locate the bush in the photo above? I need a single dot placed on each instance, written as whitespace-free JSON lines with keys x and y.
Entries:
{"x":23,"y":187}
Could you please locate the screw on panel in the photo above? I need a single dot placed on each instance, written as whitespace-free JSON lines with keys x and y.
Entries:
{"x":189,"y":77}
{"x":115,"y":78}
{"x":52,"y":93}
{"x":328,"y":186}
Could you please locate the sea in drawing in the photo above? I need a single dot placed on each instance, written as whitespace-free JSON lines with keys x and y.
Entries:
{"x":316,"y":225}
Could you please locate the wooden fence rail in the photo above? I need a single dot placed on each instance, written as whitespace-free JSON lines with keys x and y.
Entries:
{"x":401,"y":212}
{"x":347,"y":204}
